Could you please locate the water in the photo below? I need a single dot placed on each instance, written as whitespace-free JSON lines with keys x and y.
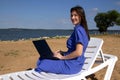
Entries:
{"x":16,"y":34}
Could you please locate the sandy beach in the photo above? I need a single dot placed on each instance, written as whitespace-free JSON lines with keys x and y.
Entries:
{"x":21,"y":55}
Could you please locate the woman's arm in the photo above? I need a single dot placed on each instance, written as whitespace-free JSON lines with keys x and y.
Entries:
{"x":74,"y":54}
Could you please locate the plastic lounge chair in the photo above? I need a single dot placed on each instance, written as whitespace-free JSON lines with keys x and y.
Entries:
{"x":93,"y":52}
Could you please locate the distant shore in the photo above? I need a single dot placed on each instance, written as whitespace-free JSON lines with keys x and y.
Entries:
{"x":21,"y":54}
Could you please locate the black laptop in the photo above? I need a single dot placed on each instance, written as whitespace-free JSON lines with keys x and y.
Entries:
{"x":44,"y":49}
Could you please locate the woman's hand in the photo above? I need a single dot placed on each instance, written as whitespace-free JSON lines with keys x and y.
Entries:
{"x":57,"y":54}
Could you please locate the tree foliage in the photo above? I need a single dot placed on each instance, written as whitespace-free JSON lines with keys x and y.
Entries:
{"x":108,"y":19}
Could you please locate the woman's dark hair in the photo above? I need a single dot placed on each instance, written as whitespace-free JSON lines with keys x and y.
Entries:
{"x":81,"y":13}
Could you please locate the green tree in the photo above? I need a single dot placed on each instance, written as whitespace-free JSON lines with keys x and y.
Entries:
{"x":118,"y":20}
{"x":108,"y":19}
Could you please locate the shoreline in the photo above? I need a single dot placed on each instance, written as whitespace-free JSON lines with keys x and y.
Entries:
{"x":21,"y":55}
{"x":23,"y":34}
{"x":59,"y":37}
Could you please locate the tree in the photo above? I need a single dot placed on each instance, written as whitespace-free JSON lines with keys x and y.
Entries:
{"x":108,"y":19}
{"x":118,"y":20}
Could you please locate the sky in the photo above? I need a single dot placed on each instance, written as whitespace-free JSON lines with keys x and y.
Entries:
{"x":50,"y":14}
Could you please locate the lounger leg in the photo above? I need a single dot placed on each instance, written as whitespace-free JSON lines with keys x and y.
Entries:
{"x":101,"y":54}
{"x":110,"y":69}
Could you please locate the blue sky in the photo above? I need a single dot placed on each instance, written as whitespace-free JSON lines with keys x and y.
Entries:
{"x":50,"y":14}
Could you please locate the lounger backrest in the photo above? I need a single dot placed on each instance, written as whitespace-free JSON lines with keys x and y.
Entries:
{"x":92,"y":52}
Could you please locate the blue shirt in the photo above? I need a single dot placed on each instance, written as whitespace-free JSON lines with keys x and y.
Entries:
{"x":78,"y":36}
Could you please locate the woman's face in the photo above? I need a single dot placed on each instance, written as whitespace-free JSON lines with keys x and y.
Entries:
{"x":75,"y":18}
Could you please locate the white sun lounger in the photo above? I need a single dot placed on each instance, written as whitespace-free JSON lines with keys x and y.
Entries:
{"x":93,"y":52}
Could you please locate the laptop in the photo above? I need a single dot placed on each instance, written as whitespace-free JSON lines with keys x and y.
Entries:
{"x":44,"y":50}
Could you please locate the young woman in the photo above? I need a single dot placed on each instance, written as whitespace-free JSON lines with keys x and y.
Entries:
{"x":72,"y":60}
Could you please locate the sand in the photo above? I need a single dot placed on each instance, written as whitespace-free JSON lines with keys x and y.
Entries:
{"x":21,"y":55}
